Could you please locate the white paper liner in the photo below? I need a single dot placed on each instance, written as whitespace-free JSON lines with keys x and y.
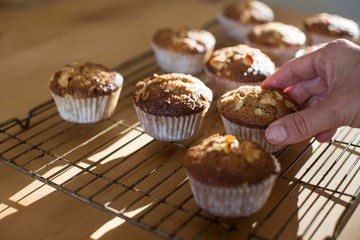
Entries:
{"x":234,"y":29}
{"x":170,"y":61}
{"x":170,"y":128}
{"x":219,"y":85}
{"x":233,"y":201}
{"x":253,"y":134}
{"x":277,"y":54}
{"x":88,"y":110}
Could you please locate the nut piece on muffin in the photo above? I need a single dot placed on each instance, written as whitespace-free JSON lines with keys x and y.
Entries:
{"x":325,"y":27}
{"x":278,"y":40}
{"x":231,"y":67}
{"x":182,"y":49}
{"x":248,"y":110}
{"x":238,"y":18}
{"x":230,"y":177}
{"x":171,"y":107}
{"x":85,"y":92}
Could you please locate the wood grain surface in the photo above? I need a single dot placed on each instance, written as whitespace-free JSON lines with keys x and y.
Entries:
{"x":39,"y":36}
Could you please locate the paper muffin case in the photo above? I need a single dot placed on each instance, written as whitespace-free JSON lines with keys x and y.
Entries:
{"x":219,"y":85}
{"x":232,"y":201}
{"x":170,"y":128}
{"x":253,"y":134}
{"x":170,"y":61}
{"x":234,"y":29}
{"x":86,"y":110}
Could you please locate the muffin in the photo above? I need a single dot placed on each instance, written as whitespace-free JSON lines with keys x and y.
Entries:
{"x":238,"y":18}
{"x":278,"y":40}
{"x":231,"y":67}
{"x":85,"y":92}
{"x":248,"y":110}
{"x":324,"y":27}
{"x":182,"y":49}
{"x":309,"y":49}
{"x":171,"y":107}
{"x":230,"y":177}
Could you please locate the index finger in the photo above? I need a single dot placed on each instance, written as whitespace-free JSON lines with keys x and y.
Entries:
{"x":306,"y":67}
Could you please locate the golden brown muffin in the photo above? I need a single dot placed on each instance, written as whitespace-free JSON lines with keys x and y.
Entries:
{"x":182,"y":49}
{"x":182,"y":39}
{"x":226,"y":161}
{"x":83,"y":80}
{"x":248,"y":11}
{"x":172,"y":95}
{"x":309,"y":49}
{"x":248,"y":110}
{"x":238,"y":18}
{"x":230,"y":177}
{"x":255,"y":106}
{"x":231,"y":67}
{"x":85,"y":92}
{"x":325,"y":27}
{"x":278,"y":40}
{"x":171,"y":107}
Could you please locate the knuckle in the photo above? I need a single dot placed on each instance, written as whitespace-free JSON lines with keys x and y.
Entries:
{"x":301,"y":128}
{"x":338,"y":44}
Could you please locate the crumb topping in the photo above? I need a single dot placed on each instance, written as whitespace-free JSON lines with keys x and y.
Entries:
{"x":83,"y":80}
{"x":172,"y":95}
{"x":229,"y":144}
{"x":255,"y":106}
{"x":240,"y":63}
{"x":226,"y":160}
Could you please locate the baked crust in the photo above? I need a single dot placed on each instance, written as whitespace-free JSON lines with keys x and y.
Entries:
{"x":331,"y":25}
{"x":226,"y":161}
{"x":247,"y":11}
{"x":184,"y":40}
{"x":276,"y":34}
{"x":84,"y":80}
{"x":255,"y":106}
{"x":240,"y":63}
{"x":172,"y":95}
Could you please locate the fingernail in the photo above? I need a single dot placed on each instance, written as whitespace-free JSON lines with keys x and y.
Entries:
{"x":276,"y":134}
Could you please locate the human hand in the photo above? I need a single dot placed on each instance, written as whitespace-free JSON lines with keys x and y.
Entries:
{"x":326,"y":83}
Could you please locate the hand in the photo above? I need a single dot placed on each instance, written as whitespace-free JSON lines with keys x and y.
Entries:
{"x":326,"y":83}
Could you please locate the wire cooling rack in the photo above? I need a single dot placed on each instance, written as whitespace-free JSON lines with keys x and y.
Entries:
{"x":116,"y":167}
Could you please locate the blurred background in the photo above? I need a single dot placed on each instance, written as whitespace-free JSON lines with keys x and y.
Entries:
{"x":345,"y":8}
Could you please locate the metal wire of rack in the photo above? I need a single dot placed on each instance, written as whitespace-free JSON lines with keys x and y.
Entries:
{"x":116,"y":167}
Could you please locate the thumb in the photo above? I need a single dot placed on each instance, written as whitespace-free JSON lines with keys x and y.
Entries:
{"x":301,"y":125}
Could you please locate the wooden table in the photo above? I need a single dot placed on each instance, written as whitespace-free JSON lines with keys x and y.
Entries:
{"x":39,"y":36}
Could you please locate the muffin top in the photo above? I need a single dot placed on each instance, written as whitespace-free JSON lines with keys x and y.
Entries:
{"x":240,"y":63}
{"x":247,"y":11}
{"x":172,"y":95}
{"x":276,"y":34}
{"x":255,"y":106}
{"x":84,"y":80}
{"x":184,"y":40}
{"x":331,"y":25}
{"x":225,"y":161}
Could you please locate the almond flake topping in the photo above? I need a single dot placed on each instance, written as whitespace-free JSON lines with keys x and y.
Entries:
{"x":258,"y":111}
